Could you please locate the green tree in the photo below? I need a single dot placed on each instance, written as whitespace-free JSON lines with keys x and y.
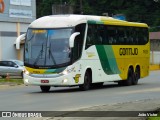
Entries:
{"x":146,"y":11}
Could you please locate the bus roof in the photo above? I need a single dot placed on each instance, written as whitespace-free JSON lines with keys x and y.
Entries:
{"x":61,"y":21}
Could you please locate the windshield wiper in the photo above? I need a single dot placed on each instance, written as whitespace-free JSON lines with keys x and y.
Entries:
{"x":51,"y":55}
{"x":40,"y":54}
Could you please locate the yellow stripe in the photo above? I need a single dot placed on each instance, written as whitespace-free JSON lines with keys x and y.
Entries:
{"x":35,"y":71}
{"x":111,"y":21}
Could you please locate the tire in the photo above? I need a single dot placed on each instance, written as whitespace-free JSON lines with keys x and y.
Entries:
{"x":22,"y":75}
{"x":45,"y":88}
{"x":130,"y":78}
{"x":87,"y":82}
{"x":136,"y":77}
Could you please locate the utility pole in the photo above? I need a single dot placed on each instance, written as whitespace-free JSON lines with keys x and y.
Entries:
{"x":81,"y":12}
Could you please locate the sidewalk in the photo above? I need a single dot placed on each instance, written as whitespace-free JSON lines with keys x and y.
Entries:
{"x":142,"y":105}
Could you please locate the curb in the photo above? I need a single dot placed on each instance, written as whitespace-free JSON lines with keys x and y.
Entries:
{"x":154,"y":67}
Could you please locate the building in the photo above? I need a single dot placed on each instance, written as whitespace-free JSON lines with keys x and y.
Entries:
{"x":155,"y":47}
{"x":15,"y":16}
{"x":155,"y":41}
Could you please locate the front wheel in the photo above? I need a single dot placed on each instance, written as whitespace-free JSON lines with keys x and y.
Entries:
{"x":22,"y":75}
{"x":87,"y":82}
{"x":45,"y":88}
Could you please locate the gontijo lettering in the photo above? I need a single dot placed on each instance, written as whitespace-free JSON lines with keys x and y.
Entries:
{"x":2,"y":6}
{"x":128,"y":51}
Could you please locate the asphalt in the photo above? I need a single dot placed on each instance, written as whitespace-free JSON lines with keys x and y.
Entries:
{"x":137,"y":107}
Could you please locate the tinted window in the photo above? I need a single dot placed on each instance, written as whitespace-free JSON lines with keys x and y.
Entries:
{"x":3,"y":63}
{"x":98,"y":34}
{"x":78,"y":42}
{"x":11,"y":64}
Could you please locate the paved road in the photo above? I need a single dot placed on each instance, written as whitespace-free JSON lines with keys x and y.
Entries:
{"x":29,"y":98}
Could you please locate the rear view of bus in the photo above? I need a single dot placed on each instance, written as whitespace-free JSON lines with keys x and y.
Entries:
{"x":85,"y":51}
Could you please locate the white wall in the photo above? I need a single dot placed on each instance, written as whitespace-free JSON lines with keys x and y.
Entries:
{"x":7,"y":46}
{"x":155,"y":57}
{"x":7,"y":26}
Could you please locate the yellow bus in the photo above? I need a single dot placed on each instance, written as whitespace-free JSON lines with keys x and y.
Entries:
{"x":85,"y":51}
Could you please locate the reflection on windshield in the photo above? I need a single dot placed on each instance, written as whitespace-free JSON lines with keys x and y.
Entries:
{"x":19,"y":62}
{"x":47,"y":47}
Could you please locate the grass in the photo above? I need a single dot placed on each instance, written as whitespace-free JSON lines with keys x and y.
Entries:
{"x":155,"y":118}
{"x":11,"y":80}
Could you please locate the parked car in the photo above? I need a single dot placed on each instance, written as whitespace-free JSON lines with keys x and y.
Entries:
{"x":11,"y":68}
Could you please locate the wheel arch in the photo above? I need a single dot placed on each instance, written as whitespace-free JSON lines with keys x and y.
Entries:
{"x":89,"y":70}
{"x":130,"y":68}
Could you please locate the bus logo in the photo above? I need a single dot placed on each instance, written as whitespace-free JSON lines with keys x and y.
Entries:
{"x":128,"y":51}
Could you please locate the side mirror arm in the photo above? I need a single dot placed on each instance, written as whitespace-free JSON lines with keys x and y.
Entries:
{"x":72,"y":38}
{"x":19,"y":39}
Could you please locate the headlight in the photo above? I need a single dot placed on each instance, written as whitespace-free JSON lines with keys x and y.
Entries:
{"x":67,"y":70}
{"x":26,"y":72}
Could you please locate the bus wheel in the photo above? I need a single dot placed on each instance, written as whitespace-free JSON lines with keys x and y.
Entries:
{"x":130,"y":78}
{"x":45,"y":88}
{"x":136,"y":77}
{"x":22,"y":75}
{"x":87,"y":82}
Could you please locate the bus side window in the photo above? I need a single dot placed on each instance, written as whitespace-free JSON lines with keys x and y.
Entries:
{"x":112,"y":35}
{"x":79,"y":40}
{"x":137,"y":35}
{"x":130,"y":36}
{"x":90,"y":40}
{"x":145,"y":35}
{"x":101,"y":34}
{"x":120,"y":35}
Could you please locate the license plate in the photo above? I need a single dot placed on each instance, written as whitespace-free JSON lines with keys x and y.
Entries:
{"x":44,"y":81}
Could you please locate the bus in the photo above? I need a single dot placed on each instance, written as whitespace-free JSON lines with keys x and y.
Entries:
{"x":85,"y":51}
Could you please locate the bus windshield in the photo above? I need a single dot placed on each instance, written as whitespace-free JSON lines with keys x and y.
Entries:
{"x":47,"y":47}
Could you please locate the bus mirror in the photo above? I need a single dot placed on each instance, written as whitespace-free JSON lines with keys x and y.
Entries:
{"x":19,"y":39}
{"x":72,"y":38}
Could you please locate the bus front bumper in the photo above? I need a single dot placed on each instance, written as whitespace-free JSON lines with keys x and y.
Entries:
{"x":61,"y":80}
